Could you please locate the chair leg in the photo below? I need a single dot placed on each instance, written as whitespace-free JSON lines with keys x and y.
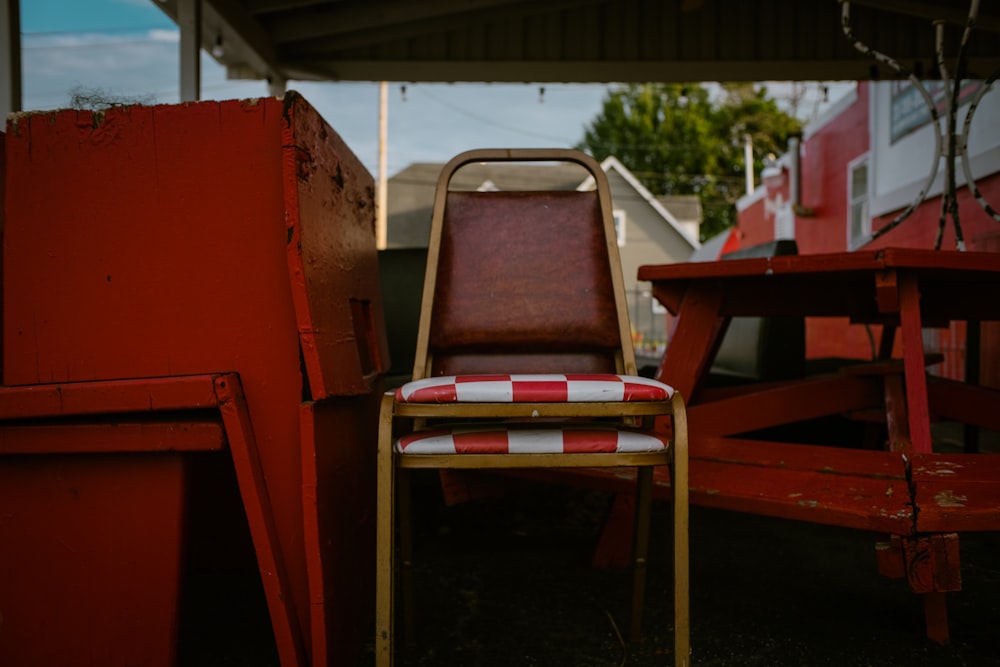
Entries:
{"x":640,"y":551}
{"x":384,"y":548}
{"x":679,"y":509}
{"x":404,"y":502}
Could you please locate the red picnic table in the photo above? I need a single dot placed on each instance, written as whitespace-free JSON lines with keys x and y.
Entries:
{"x":919,"y":498}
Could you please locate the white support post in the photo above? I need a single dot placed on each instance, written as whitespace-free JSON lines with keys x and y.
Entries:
{"x":189,"y":22}
{"x":10,"y":58}
{"x":276,"y":87}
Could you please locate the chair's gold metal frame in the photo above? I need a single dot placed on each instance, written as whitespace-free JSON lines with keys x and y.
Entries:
{"x":392,"y":466}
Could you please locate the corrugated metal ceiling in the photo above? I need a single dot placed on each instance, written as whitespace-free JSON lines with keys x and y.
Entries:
{"x":584,"y":40}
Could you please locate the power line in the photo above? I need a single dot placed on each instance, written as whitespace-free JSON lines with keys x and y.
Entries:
{"x":490,"y":121}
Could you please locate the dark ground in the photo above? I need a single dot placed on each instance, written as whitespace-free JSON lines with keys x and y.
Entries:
{"x":508,"y":582}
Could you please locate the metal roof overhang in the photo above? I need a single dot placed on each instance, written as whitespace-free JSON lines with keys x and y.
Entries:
{"x":584,"y":40}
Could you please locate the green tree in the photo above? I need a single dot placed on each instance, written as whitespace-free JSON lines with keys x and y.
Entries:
{"x":678,"y":140}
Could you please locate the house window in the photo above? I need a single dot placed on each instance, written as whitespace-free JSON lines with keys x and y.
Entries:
{"x":860,"y":223}
{"x":619,"y":216}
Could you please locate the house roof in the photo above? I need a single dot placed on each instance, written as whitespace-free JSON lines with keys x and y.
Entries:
{"x":411,"y":193}
{"x":612,"y":163}
{"x":686,"y":208}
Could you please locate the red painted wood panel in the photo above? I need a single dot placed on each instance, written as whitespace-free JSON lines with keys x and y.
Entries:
{"x":330,"y":212}
{"x":340,"y":529}
{"x":830,"y":485}
{"x":957,"y":492}
{"x":86,"y":543}
{"x":134,"y":437}
{"x":154,"y":241}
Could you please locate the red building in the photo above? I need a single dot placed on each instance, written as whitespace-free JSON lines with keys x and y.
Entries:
{"x":855,"y":171}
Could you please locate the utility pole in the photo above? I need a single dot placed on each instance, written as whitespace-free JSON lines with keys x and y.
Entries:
{"x":748,"y":161}
{"x":381,"y":227}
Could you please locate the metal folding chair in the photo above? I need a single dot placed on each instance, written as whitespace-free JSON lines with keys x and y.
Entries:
{"x":524,"y":360}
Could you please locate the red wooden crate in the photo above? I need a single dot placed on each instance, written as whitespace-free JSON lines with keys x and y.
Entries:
{"x":173,"y":240}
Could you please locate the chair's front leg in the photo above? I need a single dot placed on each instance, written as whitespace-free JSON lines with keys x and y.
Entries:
{"x":385,"y":530}
{"x":679,"y":508}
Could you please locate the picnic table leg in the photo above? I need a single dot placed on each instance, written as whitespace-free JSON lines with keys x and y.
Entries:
{"x":932,"y":568}
{"x":695,"y":340}
{"x":914,"y":364}
{"x":619,"y":526}
{"x":936,"y":617}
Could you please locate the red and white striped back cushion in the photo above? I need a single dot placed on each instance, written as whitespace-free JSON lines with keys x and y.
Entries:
{"x":533,"y":389}
{"x":515,"y":439}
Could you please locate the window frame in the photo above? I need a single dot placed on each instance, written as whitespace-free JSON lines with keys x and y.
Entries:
{"x":856,"y":239}
{"x":619,"y":218}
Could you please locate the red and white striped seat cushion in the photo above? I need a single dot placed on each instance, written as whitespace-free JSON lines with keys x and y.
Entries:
{"x":531,"y":439}
{"x":533,"y":389}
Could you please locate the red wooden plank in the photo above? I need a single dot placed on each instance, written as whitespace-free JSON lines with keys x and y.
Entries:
{"x":838,"y":263}
{"x":840,"y":500}
{"x":887,"y":291}
{"x":338,"y":512}
{"x":932,"y":563}
{"x":261,"y":518}
{"x":914,"y":364}
{"x":671,"y":295}
{"x":831,"y":485}
{"x":793,"y":456}
{"x":790,"y":284}
{"x":785,"y":404}
{"x":969,"y":404}
{"x":760,"y":266}
{"x":895,"y":414}
{"x":107,"y":397}
{"x":837,"y":486}
{"x":957,"y":492}
{"x":118,"y":437}
{"x":91,"y":546}
{"x":611,"y":551}
{"x":951,"y":260}
{"x":332,"y":261}
{"x":694,"y":342}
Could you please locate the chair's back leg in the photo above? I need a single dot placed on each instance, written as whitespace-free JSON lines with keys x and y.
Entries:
{"x":403,"y":502}
{"x":640,"y":550}
{"x":385,"y":538}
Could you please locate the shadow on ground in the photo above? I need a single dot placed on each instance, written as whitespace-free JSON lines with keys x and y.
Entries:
{"x":507,"y":581}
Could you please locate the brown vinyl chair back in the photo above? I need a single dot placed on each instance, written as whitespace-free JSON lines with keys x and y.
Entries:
{"x":526,"y":281}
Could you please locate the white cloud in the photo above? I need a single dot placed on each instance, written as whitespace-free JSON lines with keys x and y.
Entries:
{"x":160,"y":35}
{"x":435,"y":122}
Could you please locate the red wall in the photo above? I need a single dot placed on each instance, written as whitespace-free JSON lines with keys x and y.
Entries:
{"x":920,"y":228}
{"x":825,"y":156}
{"x":821,"y":227}
{"x":753,"y":228}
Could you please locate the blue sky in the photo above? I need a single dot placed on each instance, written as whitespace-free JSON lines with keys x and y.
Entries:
{"x":129,"y":48}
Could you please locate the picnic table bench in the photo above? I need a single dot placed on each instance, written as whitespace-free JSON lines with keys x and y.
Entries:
{"x":920,"y":498}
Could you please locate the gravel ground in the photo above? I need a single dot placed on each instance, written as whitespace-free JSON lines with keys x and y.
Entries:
{"x":508,"y":582}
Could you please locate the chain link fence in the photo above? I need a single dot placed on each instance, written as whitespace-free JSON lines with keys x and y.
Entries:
{"x":649,"y":326}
